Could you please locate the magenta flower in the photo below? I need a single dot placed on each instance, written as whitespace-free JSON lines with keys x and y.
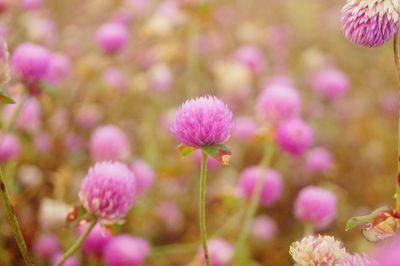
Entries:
{"x":109,"y":143}
{"x":252,"y":57}
{"x":46,"y":246}
{"x":387,"y":253}
{"x":59,"y":69}
{"x":29,"y":117}
{"x":316,"y":206}
{"x":277,"y":103}
{"x":111,"y":37}
{"x":144,"y":176}
{"x":9,"y":147}
{"x":220,"y":252}
{"x":330,"y":83}
{"x":294,"y":136}
{"x":96,"y":241}
{"x":115,"y":79}
{"x":125,"y":250}
{"x":318,"y":160}
{"x":71,"y":261}
{"x":108,"y":191}
{"x":244,"y":128}
{"x":358,"y":259}
{"x":370,"y":23}
{"x":272,"y":184}
{"x":264,"y":228}
{"x":30,"y":62}
{"x":203,"y":121}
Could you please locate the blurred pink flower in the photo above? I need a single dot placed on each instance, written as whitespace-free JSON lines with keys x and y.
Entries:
{"x":294,"y":136}
{"x":124,"y":250}
{"x":111,"y":37}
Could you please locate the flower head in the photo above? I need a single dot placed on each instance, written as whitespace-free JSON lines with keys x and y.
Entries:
{"x":251,"y":57}
{"x":317,"y":250}
{"x":9,"y":147}
{"x":109,"y":143}
{"x":244,"y":128}
{"x":203,"y":121}
{"x":71,"y":261}
{"x":272,"y":184}
{"x":370,"y":23}
{"x":316,"y":206}
{"x":30,"y":62}
{"x":318,"y":160}
{"x":294,"y":136}
{"x":330,"y":83}
{"x":111,"y":37}
{"x":46,"y":246}
{"x":29,"y":117}
{"x":126,"y":250}
{"x":277,"y":103}
{"x":144,"y":176}
{"x":264,"y":228}
{"x":108,"y":191}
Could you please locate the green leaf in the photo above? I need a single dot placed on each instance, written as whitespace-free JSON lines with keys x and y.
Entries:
{"x":185,"y":150}
{"x":77,"y":214}
{"x":49,"y":88}
{"x":220,"y":152}
{"x":211,"y":150}
{"x":354,"y":221}
{"x":5,"y":98}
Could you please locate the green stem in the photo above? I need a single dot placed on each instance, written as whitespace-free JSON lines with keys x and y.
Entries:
{"x":241,"y":248}
{"x":77,"y":244}
{"x":202,"y":206}
{"x":396,"y":51}
{"x":12,"y":219}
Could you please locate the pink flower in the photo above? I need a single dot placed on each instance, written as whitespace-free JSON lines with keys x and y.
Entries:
{"x":59,"y":69}
{"x":109,"y":143}
{"x":277,"y":103}
{"x":358,"y":260}
{"x":29,"y":118}
{"x":116,"y":79}
{"x":71,"y":261}
{"x":96,"y":241}
{"x":330,"y":83}
{"x":264,"y":228}
{"x":203,"y":121}
{"x":294,"y":136}
{"x":9,"y":147}
{"x":46,"y":246}
{"x":272,"y":184}
{"x":125,"y":250}
{"x":318,"y":160}
{"x":31,"y":4}
{"x":370,"y":23}
{"x":108,"y":191}
{"x":244,"y":128}
{"x":30,"y":62}
{"x":144,"y":176}
{"x":316,"y":206}
{"x":112,"y":37}
{"x":252,"y":57}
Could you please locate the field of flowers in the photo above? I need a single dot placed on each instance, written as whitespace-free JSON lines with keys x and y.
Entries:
{"x":199,"y":132}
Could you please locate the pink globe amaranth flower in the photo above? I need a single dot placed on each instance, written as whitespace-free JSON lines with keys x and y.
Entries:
{"x":109,"y":143}
{"x":171,"y":215}
{"x":125,"y":250}
{"x":30,"y":62}
{"x":108,"y":191}
{"x":272,"y":184}
{"x":277,"y":103}
{"x":115,"y":79}
{"x":31,"y":4}
{"x":46,"y":246}
{"x":316,"y":206}
{"x":358,"y":260}
{"x":318,"y":160}
{"x":252,"y":57}
{"x":220,"y":252}
{"x":244,"y":128}
{"x":96,"y":241}
{"x":59,"y":69}
{"x":71,"y":261}
{"x":9,"y":147}
{"x":264,"y":228}
{"x":112,"y":37}
{"x":144,"y":176}
{"x":28,"y":118}
{"x":370,"y":23}
{"x":330,"y":83}
{"x":202,"y":121}
{"x":387,"y":253}
{"x":294,"y":136}
{"x":73,"y":142}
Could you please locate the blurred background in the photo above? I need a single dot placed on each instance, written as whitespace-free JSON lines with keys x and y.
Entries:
{"x":175,"y":50}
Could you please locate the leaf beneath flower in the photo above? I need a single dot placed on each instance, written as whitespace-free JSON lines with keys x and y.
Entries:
{"x":221,"y":153}
{"x":76,"y":215}
{"x":5,"y":98}
{"x":186,"y":150}
{"x":354,"y":221}
{"x":49,"y":88}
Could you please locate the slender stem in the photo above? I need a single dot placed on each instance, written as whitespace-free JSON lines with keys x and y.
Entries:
{"x":241,"y":248}
{"x":77,"y":244}
{"x":202,"y":206}
{"x":12,"y":219}
{"x":396,"y":50}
